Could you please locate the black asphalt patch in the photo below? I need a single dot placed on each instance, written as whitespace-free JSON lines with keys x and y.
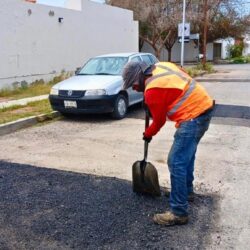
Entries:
{"x":232,"y":111}
{"x":220,"y":111}
{"x":50,"y":209}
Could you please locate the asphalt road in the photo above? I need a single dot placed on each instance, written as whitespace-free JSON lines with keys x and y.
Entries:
{"x":67,"y":184}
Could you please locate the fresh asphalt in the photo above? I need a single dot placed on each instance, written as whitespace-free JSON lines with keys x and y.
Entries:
{"x":51,"y":209}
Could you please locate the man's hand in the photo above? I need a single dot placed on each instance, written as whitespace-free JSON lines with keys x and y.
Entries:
{"x":147,"y":139}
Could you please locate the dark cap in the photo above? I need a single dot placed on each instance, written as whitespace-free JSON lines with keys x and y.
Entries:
{"x":134,"y":72}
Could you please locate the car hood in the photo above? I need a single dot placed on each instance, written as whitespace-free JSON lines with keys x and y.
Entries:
{"x":84,"y":82}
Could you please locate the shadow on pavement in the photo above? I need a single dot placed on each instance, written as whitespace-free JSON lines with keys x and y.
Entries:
{"x":51,"y":209}
{"x":136,"y":111}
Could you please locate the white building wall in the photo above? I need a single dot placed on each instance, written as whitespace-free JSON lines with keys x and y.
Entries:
{"x":35,"y":45}
{"x":190,"y":52}
{"x":246,"y":41}
{"x":210,"y":52}
{"x":73,"y":4}
{"x":225,"y":44}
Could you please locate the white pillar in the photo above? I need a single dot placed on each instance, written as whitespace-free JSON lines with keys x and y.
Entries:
{"x":182,"y":36}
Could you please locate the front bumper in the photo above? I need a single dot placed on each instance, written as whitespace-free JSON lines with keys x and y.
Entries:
{"x":85,"y":105}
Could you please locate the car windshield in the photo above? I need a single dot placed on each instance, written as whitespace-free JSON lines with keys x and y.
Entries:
{"x":104,"y":66}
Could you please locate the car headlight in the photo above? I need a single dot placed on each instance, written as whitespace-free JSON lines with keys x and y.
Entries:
{"x":95,"y":92}
{"x":54,"y":91}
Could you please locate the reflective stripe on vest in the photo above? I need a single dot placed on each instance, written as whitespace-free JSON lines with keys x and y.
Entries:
{"x":173,"y":72}
{"x":184,"y":98}
{"x":191,"y":85}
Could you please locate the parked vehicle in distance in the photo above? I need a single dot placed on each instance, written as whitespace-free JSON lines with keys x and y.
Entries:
{"x":97,"y":87}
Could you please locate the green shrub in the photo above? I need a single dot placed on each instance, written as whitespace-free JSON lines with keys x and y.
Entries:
{"x":236,"y":50}
{"x":39,"y":87}
{"x":240,"y":59}
{"x":200,"y":69}
{"x":247,"y":59}
{"x":37,"y":82}
{"x":193,"y":71}
{"x":207,"y":67}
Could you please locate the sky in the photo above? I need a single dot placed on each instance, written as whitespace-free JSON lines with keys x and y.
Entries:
{"x":246,"y":6}
{"x":59,"y":3}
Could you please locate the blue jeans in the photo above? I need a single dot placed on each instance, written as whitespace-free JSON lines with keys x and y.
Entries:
{"x":181,"y":161}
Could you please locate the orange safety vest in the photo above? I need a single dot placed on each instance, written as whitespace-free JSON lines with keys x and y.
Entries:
{"x":193,"y":101}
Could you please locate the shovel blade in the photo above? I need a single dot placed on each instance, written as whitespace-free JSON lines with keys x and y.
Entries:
{"x":147,"y":182}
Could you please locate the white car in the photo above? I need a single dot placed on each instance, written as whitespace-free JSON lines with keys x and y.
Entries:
{"x":97,"y":87}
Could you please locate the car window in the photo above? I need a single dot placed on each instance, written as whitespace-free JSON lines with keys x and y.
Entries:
{"x":146,"y":59}
{"x":104,"y":66}
{"x":136,"y":59}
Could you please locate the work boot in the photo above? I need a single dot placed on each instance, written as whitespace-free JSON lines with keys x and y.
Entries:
{"x":169,"y":219}
{"x":191,"y":195}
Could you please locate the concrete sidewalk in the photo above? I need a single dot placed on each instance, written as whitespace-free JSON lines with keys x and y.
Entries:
{"x":228,"y":73}
{"x":23,"y":101}
{"x":13,"y":126}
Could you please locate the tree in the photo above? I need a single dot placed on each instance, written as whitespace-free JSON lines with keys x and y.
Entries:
{"x":158,"y":20}
{"x":154,"y":29}
{"x":212,"y":19}
{"x":216,"y":19}
{"x":169,"y":43}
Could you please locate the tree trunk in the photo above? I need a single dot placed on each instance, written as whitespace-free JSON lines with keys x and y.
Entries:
{"x":156,"y":50}
{"x":169,"y":54}
{"x":158,"y":53}
{"x":141,"y":42}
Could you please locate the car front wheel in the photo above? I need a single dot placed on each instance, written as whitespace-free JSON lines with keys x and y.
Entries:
{"x":120,"y":107}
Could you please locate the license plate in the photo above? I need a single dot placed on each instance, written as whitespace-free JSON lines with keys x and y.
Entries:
{"x":70,"y":104}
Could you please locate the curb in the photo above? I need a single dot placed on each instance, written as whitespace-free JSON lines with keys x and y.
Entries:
{"x":10,"y":127}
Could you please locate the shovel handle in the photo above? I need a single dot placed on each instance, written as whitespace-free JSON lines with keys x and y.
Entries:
{"x":145,"y":151}
{"x":146,"y":143}
{"x":146,"y":120}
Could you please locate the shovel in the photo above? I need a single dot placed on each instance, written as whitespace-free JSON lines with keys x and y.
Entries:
{"x":145,"y":176}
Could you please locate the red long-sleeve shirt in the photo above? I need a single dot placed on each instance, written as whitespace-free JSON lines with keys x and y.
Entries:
{"x":158,"y":100}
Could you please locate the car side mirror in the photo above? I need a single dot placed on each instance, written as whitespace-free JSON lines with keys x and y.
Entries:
{"x":77,"y":70}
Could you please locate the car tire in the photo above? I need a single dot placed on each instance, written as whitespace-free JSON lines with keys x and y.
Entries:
{"x":120,"y":107}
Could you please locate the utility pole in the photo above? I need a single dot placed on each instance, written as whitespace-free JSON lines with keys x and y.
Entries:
{"x":183,"y":30}
{"x":204,"y":59}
